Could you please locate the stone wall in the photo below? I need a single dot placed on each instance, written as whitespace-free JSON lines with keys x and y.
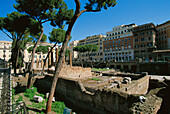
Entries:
{"x":139,"y":86}
{"x":73,"y":72}
{"x":161,"y":68}
{"x":100,"y":102}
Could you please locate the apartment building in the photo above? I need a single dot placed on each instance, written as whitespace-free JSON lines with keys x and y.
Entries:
{"x":163,"y":42}
{"x":5,"y":50}
{"x":73,"y":44}
{"x":118,"y":45}
{"x":163,"y":36}
{"x":144,"y":41}
{"x":97,"y":40}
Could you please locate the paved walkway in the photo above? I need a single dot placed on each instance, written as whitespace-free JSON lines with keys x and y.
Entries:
{"x":159,"y":77}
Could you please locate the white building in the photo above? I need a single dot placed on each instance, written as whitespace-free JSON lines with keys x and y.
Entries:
{"x":71,"y":46}
{"x":5,"y":50}
{"x":39,"y":56}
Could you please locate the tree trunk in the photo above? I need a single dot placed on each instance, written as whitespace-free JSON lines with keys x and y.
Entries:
{"x":29,"y":83}
{"x":56,"y":74}
{"x":14,"y":56}
{"x":59,"y":64}
{"x":42,"y":72}
{"x":90,"y":60}
{"x":81,"y":60}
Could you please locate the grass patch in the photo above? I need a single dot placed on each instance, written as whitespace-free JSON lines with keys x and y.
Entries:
{"x":96,"y":79}
{"x":58,"y":107}
{"x":103,"y":69}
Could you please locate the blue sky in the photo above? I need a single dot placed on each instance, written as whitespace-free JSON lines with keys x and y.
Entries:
{"x":125,"y":12}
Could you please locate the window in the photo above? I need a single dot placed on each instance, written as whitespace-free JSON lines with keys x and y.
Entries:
{"x":136,"y":35}
{"x":136,"y":40}
{"x":100,"y":48}
{"x":119,"y":40}
{"x":122,"y":40}
{"x":125,"y":39}
{"x":113,"y":42}
{"x":149,"y":38}
{"x":129,"y":39}
{"x":142,"y":34}
{"x":142,"y":39}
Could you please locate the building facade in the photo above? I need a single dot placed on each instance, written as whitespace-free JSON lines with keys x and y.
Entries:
{"x":144,"y":41}
{"x":97,"y":40}
{"x":38,"y":56}
{"x":5,"y":50}
{"x":118,"y":45}
{"x":163,"y":36}
{"x":73,"y":44}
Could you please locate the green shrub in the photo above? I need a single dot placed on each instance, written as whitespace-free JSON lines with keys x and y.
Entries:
{"x":30,"y":92}
{"x":103,"y":69}
{"x":20,"y":98}
{"x":96,"y":79}
{"x":41,"y":95}
{"x":58,"y":107}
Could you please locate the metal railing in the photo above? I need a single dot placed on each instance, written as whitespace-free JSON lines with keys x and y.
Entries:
{"x":6,"y":104}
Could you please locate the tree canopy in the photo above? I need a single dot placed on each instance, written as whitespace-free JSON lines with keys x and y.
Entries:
{"x":55,"y":11}
{"x":34,"y":38}
{"x":86,"y":48}
{"x":43,"y":49}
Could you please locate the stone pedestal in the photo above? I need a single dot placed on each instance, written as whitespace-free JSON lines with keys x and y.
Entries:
{"x":52,"y":57}
{"x":49,"y":58}
{"x":37,"y":63}
{"x":70,"y":59}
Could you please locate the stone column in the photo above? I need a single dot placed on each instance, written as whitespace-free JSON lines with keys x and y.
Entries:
{"x":121,"y":67}
{"x":52,"y":57}
{"x":129,"y":67}
{"x":42,"y":63}
{"x":56,"y":55}
{"x":37,"y":63}
{"x":70,"y":59}
{"x":49,"y":58}
{"x":46,"y":64}
{"x":64,"y":60}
